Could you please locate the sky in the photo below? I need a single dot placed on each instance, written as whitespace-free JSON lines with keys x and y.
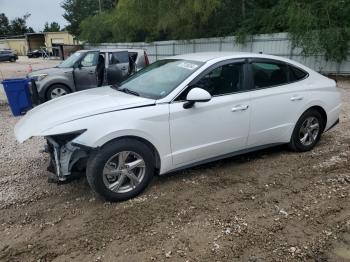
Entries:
{"x":41,"y":11}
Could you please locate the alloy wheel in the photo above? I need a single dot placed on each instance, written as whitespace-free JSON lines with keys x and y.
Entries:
{"x":124,"y":171}
{"x":309,"y":131}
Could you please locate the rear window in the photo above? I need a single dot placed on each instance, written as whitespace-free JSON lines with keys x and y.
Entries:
{"x":268,"y":74}
{"x":118,"y":57}
{"x":133,"y":56}
{"x":296,"y":74}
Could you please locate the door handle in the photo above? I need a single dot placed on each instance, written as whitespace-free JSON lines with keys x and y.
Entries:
{"x":239,"y":108}
{"x":123,"y":68}
{"x":296,"y":98}
{"x":91,"y":72}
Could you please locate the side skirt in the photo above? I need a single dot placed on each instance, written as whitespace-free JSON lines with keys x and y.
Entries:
{"x":212,"y":159}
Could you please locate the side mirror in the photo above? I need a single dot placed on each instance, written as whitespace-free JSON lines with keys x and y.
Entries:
{"x":196,"y":94}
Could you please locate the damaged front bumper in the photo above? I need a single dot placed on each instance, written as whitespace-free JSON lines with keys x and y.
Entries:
{"x":66,"y":157}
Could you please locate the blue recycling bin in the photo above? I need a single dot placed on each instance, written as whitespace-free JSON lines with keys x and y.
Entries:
{"x":18,"y":95}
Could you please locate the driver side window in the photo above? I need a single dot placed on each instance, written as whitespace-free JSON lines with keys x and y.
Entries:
{"x":223,"y":80}
{"x":90,"y":59}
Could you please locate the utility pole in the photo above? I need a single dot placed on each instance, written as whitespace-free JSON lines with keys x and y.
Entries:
{"x":99,"y":4}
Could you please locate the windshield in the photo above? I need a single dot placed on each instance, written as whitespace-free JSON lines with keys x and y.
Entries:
{"x":160,"y":78}
{"x":70,"y":61}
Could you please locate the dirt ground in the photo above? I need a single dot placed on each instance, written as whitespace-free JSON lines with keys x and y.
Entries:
{"x":272,"y":205}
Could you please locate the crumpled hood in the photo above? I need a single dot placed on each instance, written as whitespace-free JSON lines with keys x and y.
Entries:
{"x":75,"y":106}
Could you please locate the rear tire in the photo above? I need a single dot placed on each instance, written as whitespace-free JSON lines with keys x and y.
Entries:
{"x":109,"y":170}
{"x":307,"y":131}
{"x":56,"y":91}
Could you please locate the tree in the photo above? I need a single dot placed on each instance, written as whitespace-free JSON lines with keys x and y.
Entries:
{"x":77,"y":10}
{"x":18,"y":26}
{"x":135,"y":20}
{"x":97,"y":28}
{"x":52,"y":27}
{"x":317,"y":26}
{"x":4,"y":25}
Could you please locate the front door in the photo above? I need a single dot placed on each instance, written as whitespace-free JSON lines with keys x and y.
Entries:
{"x":85,"y":74}
{"x":214,"y":128}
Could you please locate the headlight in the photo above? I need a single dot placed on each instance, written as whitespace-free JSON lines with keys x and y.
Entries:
{"x":64,"y":138}
{"x":38,"y":77}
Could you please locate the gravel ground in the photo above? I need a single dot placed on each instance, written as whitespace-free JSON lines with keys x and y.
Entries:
{"x":272,"y":205}
{"x":20,"y":69}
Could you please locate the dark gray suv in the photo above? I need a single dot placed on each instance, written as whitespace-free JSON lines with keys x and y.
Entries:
{"x":87,"y":69}
{"x":8,"y":55}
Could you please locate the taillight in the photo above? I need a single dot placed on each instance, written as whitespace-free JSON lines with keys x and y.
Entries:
{"x":146,"y":58}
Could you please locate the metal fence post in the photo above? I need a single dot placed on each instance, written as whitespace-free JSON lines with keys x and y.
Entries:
{"x":291,"y":51}
{"x":251,"y":44}
{"x":156,"y":47}
{"x":173,"y":48}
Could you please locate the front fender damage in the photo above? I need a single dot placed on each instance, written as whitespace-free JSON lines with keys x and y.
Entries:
{"x":65,"y":156}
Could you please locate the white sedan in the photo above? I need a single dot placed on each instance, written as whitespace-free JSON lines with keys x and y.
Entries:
{"x":180,"y":112}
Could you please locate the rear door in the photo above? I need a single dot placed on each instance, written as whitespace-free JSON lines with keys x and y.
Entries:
{"x":118,"y":66}
{"x":275,"y":99}
{"x":85,"y":74}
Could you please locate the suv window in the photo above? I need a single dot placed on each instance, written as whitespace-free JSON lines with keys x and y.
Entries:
{"x":90,"y":59}
{"x":267,"y":74}
{"x":133,"y":56}
{"x":296,"y":74}
{"x":226,"y":79}
{"x":118,"y":57}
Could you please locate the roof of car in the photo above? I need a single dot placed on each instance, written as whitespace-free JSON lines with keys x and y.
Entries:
{"x":113,"y":50}
{"x":207,"y":56}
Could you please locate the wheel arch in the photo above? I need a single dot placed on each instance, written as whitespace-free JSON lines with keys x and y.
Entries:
{"x":323,"y":113}
{"x":142,"y":140}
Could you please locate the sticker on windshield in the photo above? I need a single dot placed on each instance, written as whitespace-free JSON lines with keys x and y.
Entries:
{"x":187,"y":65}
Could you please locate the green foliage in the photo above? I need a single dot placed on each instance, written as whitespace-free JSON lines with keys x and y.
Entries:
{"x":4,"y":25}
{"x":317,"y":26}
{"x":52,"y":27}
{"x":97,"y":27}
{"x":17,"y":26}
{"x":139,"y":20}
{"x":78,"y":10}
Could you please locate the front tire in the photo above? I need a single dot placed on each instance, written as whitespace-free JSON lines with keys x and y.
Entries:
{"x":12,"y":59}
{"x":56,"y":91}
{"x":121,"y":170}
{"x":307,"y":131}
